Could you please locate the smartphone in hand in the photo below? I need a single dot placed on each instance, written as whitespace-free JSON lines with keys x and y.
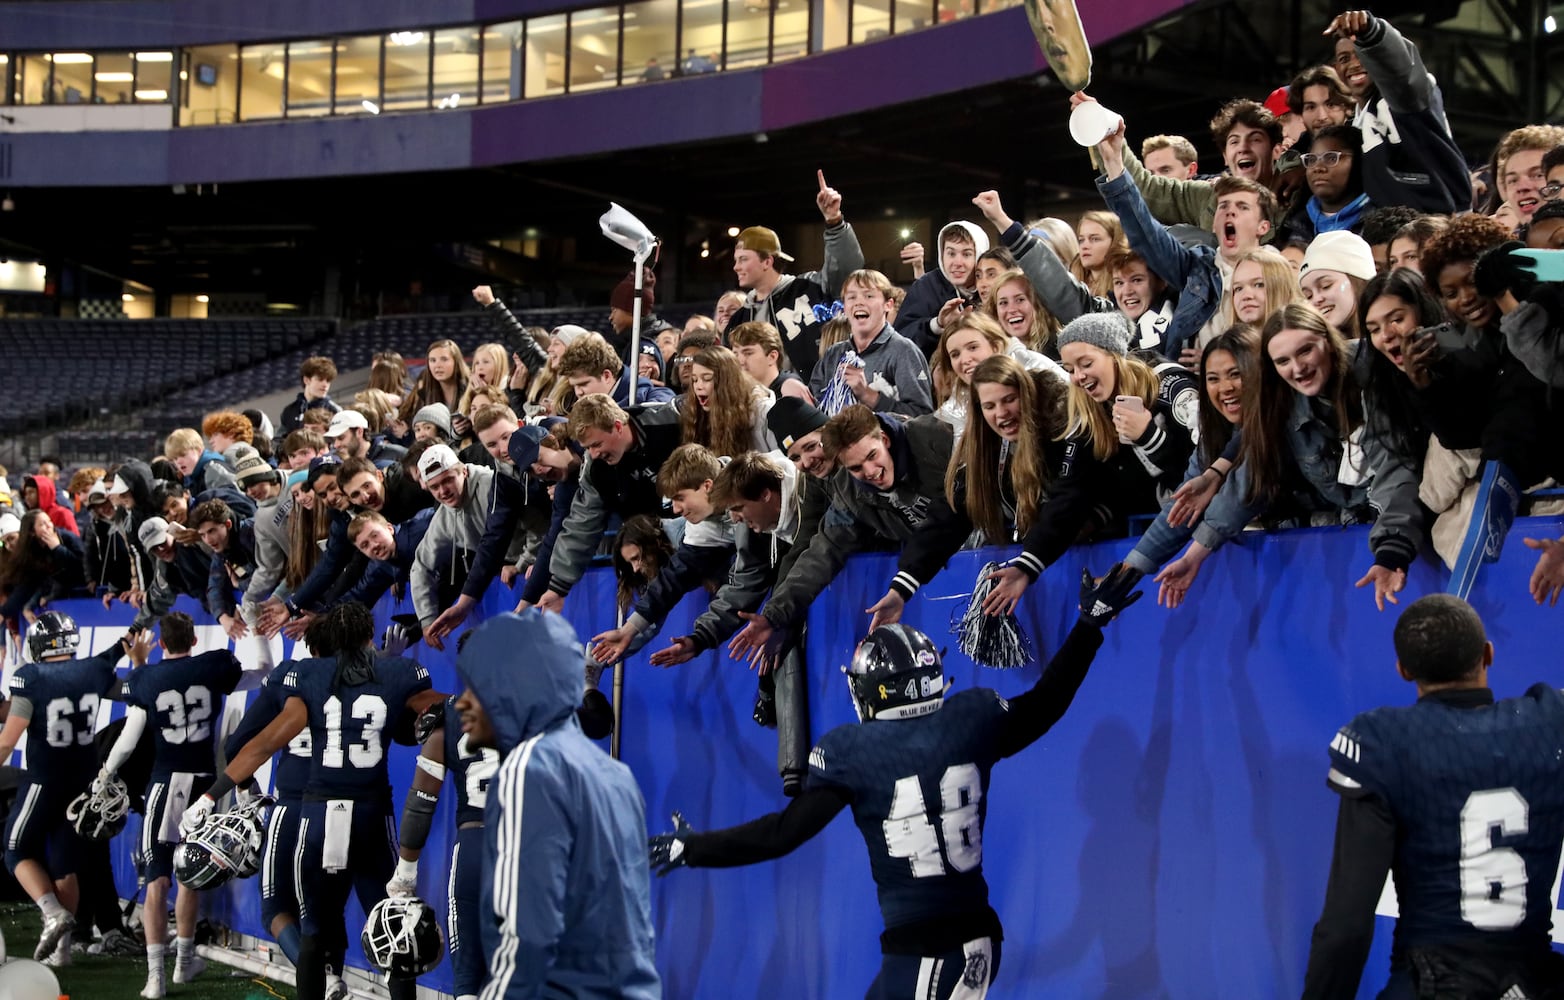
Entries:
{"x":1130,"y":403}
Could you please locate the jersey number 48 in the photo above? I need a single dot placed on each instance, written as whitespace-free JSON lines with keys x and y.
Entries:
{"x":910,"y":834}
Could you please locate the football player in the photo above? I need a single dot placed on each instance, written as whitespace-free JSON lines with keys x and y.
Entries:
{"x":915,"y":772}
{"x":352,"y":704}
{"x":1462,"y":799}
{"x":54,"y":700}
{"x":184,"y":695}
{"x":448,"y":753}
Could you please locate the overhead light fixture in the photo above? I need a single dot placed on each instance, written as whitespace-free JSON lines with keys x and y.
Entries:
{"x":370,"y":106}
{"x":114,"y":77}
{"x":452,"y":101}
{"x":154,"y":57}
{"x":70,"y":58}
{"x":203,"y":299}
{"x":705,"y":248}
{"x":127,"y":297}
{"x":406,"y":37}
{"x":733,"y":231}
{"x":151,"y":95}
{"x":1550,"y":24}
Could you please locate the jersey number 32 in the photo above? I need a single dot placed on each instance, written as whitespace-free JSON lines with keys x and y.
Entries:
{"x":910,"y":834}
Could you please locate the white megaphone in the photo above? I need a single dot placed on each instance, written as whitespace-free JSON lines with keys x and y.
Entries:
{"x":627,"y":231}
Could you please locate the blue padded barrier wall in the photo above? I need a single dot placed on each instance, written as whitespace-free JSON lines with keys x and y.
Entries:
{"x":1169,"y":838}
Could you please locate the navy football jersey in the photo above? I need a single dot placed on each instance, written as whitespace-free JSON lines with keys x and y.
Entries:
{"x":65,"y":698}
{"x":183,"y":698}
{"x":919,"y":791}
{"x":351,"y":727}
{"x":470,"y":770}
{"x":1477,"y":794}
{"x":291,"y":771}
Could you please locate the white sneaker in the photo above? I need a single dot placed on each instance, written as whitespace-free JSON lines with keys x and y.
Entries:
{"x":55,"y":929}
{"x":187,"y":970}
{"x":61,"y":956}
{"x":155,"y":988}
{"x":336,"y":989}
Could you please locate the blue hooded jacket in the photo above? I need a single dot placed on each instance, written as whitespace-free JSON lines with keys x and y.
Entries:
{"x":566,"y":897}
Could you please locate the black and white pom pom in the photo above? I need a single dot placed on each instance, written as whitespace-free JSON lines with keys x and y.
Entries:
{"x":990,"y":640}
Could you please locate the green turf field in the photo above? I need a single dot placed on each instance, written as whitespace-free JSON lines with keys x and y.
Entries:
{"x":96,"y":977}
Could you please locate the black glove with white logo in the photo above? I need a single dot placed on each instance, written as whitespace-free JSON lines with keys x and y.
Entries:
{"x":1102,"y":600}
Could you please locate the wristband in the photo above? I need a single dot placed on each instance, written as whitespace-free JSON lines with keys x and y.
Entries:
{"x":1219,"y":473}
{"x":221,"y":785}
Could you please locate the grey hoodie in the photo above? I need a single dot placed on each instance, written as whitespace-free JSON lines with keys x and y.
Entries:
{"x":451,"y":531}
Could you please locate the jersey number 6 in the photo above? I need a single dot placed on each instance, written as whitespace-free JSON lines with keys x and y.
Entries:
{"x":1493,"y":879}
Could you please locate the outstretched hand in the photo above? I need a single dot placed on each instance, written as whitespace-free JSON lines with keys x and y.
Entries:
{"x":829,"y":200}
{"x":1348,"y":25}
{"x":887,"y":610}
{"x":1103,"y":600}
{"x":1547,"y":579}
{"x":757,"y":642}
{"x":665,"y":852}
{"x":1387,"y":584}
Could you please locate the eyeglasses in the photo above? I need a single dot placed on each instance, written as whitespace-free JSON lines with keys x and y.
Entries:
{"x":1329,"y":159}
{"x":683,"y":361}
{"x":1551,"y":191}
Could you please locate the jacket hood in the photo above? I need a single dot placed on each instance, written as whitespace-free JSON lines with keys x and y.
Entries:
{"x":979,"y":240}
{"x":537,"y":647}
{"x":46,"y":491}
{"x":138,"y":476}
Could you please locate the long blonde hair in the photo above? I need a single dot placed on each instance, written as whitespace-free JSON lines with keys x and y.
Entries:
{"x":1084,"y":415}
{"x":946,"y":382}
{"x":1044,"y":324}
{"x":1281,"y":284}
{"x":501,"y":358}
{"x":1041,"y":396}
{"x":1101,"y":281}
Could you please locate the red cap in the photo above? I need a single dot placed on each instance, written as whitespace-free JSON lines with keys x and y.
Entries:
{"x":1277,"y":104}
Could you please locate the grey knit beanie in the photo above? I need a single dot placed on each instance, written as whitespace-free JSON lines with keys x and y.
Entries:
{"x":438,"y":414}
{"x":1107,"y":331}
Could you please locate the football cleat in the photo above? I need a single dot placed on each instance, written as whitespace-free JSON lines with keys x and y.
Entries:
{"x":401,"y":937}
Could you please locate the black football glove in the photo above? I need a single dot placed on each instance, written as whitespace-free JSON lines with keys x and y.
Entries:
{"x":1101,"y":601}
{"x":1499,"y":270}
{"x":403,"y":631}
{"x":666,"y":850}
{"x":428,"y":720}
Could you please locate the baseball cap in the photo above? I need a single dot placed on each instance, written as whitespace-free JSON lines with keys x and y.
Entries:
{"x":322,"y":465}
{"x":117,"y":487}
{"x":97,"y":489}
{"x":153,"y":532}
{"x":762,"y":240}
{"x":524,"y":445}
{"x":9,"y":523}
{"x":436,"y":462}
{"x":344,"y":420}
{"x":1277,"y":104}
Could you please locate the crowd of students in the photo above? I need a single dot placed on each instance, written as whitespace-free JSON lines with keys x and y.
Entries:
{"x":1338,"y":328}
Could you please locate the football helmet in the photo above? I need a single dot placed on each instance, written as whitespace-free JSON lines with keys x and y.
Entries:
{"x":401,"y":937}
{"x":227,"y":846}
{"x":99,"y":815}
{"x":896,"y":674}
{"x":53,"y":634}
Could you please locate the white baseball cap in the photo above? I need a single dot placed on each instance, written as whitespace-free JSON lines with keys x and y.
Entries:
{"x":153,"y":532}
{"x":436,"y":462}
{"x":118,"y":486}
{"x":344,"y":420}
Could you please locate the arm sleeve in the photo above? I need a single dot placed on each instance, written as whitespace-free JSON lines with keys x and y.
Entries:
{"x":1161,"y":541}
{"x":690,"y":566}
{"x":811,"y":513}
{"x":1339,"y":948}
{"x":1167,"y":444}
{"x":531,"y":865}
{"x":1395,"y":66}
{"x":1062,"y":292}
{"x":377,"y":579}
{"x":930,"y":547}
{"x":748,"y":580}
{"x":1171,"y":261}
{"x":422,"y":580}
{"x":516,"y":337}
{"x":129,"y":736}
{"x":1071,"y":500}
{"x":1398,"y":531}
{"x":327,"y":569}
{"x":578,"y":536}
{"x":219,"y":592}
{"x":1170,"y":200}
{"x":538,"y":579}
{"x":910,"y":376}
{"x":837,"y":539}
{"x":271,"y":561}
{"x":843,"y":256}
{"x":770,"y":836}
{"x":1229,"y":513}
{"x":1034,"y":712}
{"x":504,"y":513}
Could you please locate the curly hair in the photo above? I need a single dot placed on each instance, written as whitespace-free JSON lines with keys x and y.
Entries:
{"x":726,"y":424}
{"x":230,"y":424}
{"x":1466,"y":239}
{"x":1244,"y":112}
